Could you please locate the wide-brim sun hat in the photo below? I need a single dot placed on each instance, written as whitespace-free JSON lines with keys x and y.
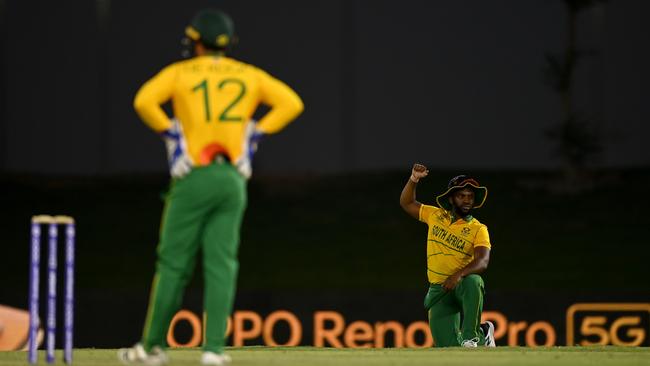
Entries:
{"x":460,"y":182}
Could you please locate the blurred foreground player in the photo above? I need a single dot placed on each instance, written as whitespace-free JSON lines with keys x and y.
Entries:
{"x":210,"y":144}
{"x":458,"y":249}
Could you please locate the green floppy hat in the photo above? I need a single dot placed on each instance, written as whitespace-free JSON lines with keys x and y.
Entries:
{"x":212,"y":27}
{"x":460,"y":182}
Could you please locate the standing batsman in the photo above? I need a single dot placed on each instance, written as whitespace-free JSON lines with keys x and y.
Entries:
{"x":210,"y":144}
{"x":458,"y":249}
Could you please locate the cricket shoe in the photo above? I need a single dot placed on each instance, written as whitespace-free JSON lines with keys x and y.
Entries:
{"x":488,"y":330}
{"x":215,"y":359}
{"x":136,"y":355}
{"x":470,"y":343}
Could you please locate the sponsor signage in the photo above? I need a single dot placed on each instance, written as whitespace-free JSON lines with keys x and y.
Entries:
{"x":620,"y":324}
{"x":356,"y":319}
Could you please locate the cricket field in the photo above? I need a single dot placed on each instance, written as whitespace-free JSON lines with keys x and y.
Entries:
{"x":307,"y":356}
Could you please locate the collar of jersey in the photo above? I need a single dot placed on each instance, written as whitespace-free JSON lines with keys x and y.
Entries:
{"x":468,"y":218}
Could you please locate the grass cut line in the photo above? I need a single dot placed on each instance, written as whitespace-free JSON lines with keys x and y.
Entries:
{"x":306,"y":356}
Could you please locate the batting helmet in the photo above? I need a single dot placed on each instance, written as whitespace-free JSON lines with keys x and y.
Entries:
{"x":460,"y":182}
{"x":211,"y":27}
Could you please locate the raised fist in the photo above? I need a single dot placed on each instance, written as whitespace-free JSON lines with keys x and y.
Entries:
{"x":418,"y":172}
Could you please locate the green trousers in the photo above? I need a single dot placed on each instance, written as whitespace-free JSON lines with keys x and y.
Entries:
{"x":204,"y":212}
{"x":445,"y":309}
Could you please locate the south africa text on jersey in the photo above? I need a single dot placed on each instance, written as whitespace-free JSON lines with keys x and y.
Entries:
{"x":449,"y":238}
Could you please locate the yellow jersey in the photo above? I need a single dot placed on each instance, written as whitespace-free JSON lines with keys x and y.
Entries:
{"x":214,"y":98}
{"x":450,"y":245}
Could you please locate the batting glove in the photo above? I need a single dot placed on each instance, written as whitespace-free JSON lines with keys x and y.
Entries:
{"x":252,"y":137}
{"x":180,"y":163}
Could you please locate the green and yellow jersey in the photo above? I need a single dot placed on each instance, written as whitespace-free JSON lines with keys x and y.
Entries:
{"x":450,"y":243}
{"x":214,"y":98}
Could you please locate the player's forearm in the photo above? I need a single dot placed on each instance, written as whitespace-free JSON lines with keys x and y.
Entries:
{"x":407,"y":197}
{"x":281,"y":115}
{"x":153,"y":116}
{"x":154,"y":93}
{"x":149,"y":110}
{"x":476,"y":266}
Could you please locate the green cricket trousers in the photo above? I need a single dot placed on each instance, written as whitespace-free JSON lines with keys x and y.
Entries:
{"x":445,"y":309}
{"x":204,"y":212}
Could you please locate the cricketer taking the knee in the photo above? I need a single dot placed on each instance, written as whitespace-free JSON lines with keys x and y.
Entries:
{"x":458,"y":249}
{"x":210,"y":143}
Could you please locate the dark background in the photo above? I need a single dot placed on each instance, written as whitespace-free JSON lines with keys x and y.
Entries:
{"x":458,"y":85}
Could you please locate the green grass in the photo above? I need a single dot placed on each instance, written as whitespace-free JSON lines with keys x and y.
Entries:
{"x":310,"y":356}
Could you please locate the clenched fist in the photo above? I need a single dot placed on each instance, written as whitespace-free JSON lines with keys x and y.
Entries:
{"x":418,"y":172}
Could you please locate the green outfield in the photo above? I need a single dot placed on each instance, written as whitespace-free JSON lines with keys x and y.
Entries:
{"x":306,"y":356}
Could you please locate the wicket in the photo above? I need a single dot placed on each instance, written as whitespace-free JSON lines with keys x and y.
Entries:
{"x":53,"y":223}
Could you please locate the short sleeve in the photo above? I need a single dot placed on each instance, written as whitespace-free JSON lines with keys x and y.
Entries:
{"x":482,"y":238}
{"x":425,"y":212}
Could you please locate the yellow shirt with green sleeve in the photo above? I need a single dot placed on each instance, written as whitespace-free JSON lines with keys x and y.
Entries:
{"x":214,"y":98}
{"x":450,"y":241}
